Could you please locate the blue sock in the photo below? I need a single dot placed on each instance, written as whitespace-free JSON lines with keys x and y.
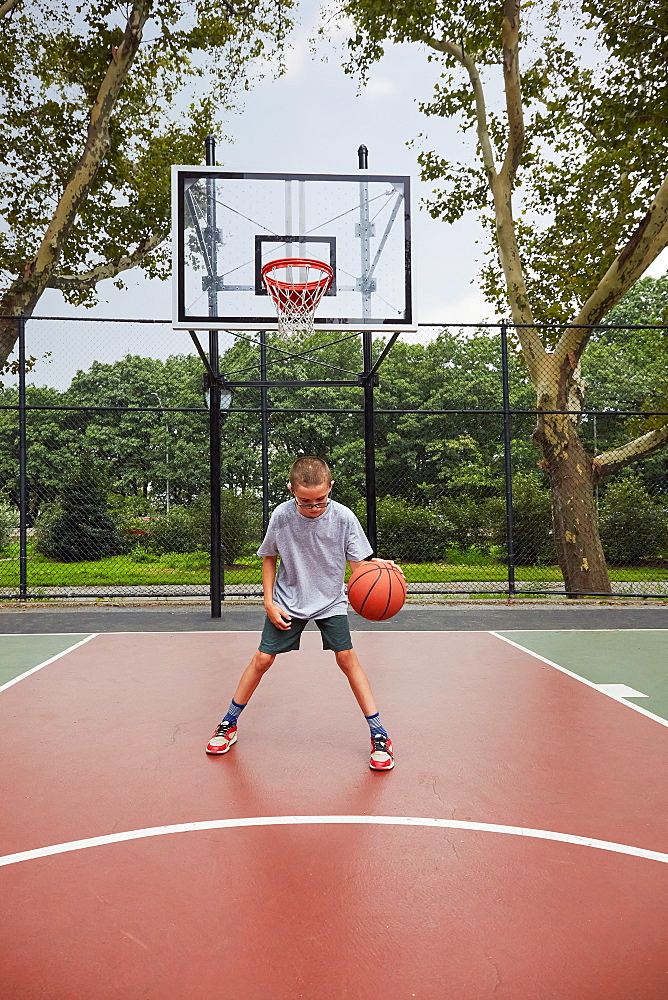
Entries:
{"x":375,"y":725}
{"x":233,"y":712}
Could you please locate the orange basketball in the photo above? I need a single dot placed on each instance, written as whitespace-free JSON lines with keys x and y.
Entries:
{"x":377,"y":592}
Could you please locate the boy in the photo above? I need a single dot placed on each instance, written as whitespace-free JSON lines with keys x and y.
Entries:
{"x":314,"y":536}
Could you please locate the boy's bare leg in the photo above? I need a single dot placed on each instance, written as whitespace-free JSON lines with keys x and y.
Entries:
{"x":358,"y":680}
{"x":382,"y":758}
{"x":226,"y":733}
{"x":252,"y":676}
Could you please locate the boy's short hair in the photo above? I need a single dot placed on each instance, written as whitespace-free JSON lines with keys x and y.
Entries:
{"x":310,"y":471}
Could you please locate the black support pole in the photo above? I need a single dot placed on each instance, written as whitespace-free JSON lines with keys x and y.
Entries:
{"x":23,"y":463}
{"x":508,"y":466}
{"x":368,"y":378}
{"x":217,"y":577}
{"x":264,"y":417}
{"x":369,"y":440}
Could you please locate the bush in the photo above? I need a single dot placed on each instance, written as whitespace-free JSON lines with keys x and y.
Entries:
{"x":481,"y":523}
{"x":78,"y":527}
{"x":476,"y":523}
{"x":123,"y":508}
{"x":237,"y":518}
{"x":134,"y":530}
{"x":532,"y":521}
{"x":632,"y":524}
{"x":236,"y":522}
{"x":178,"y":531}
{"x":187,"y":529}
{"x":409,"y":532}
{"x":9,"y":519}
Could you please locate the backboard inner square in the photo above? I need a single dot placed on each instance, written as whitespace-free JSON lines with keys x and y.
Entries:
{"x":268,"y":248}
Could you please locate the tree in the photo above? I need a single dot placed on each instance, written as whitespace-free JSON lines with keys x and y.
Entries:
{"x":571,"y":180}
{"x":79,"y":526}
{"x":142,"y":449}
{"x":53,"y":436}
{"x":90,"y":125}
{"x":627,"y":369}
{"x":145,"y":420}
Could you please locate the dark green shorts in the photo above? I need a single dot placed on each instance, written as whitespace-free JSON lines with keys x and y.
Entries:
{"x":335,"y":633}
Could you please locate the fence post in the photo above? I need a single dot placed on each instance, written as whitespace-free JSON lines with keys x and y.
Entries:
{"x":369,"y":441}
{"x":264,"y":418}
{"x":23,"y":463}
{"x":217,"y":575}
{"x":510,"y":544}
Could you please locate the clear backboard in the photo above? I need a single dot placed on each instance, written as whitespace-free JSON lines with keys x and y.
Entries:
{"x":226,"y":226}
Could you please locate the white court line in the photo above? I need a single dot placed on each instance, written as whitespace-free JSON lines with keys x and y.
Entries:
{"x":52,"y":659}
{"x":225,"y":824}
{"x":583,"y":680}
{"x":576,"y":630}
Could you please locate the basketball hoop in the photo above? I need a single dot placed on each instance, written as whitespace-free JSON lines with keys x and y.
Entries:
{"x":296,"y":285}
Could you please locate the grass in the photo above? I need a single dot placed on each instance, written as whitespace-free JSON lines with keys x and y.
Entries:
{"x":182,"y":569}
{"x":117,"y":571}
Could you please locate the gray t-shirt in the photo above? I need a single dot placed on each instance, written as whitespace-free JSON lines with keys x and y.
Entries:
{"x":313,"y":551}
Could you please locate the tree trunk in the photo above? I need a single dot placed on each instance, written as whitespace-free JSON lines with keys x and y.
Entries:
{"x":17,"y":302}
{"x":574,"y":516}
{"x":8,"y":335}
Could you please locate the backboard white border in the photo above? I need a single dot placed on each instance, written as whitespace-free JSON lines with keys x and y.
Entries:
{"x":180,"y":322}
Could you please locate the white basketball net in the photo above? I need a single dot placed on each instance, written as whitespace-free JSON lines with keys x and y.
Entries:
{"x":296,"y":286}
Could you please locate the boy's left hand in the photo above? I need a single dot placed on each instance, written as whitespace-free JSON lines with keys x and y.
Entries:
{"x":388,"y":562}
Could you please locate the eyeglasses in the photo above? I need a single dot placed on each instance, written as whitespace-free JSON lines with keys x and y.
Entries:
{"x":312,"y":506}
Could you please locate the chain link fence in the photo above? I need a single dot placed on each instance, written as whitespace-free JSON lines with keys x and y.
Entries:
{"x":104,"y":459}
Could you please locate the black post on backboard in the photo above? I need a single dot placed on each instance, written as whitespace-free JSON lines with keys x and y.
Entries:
{"x":508,"y":467}
{"x":217,"y":574}
{"x":368,"y":379}
{"x":369,"y":439}
{"x":264,"y":418}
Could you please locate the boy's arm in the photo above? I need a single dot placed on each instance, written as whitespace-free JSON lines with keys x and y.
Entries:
{"x":277,"y":617}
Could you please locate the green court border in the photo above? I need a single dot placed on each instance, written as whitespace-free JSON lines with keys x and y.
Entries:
{"x":23,"y":653}
{"x":637,"y":657}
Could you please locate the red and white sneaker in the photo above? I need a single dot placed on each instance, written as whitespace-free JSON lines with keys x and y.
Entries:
{"x":223,"y":738}
{"x":382,"y":758}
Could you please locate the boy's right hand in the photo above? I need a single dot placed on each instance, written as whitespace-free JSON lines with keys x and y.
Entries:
{"x":281,"y":619}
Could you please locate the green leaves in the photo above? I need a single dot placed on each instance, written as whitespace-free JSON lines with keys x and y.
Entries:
{"x":53,"y":58}
{"x":594,"y":87}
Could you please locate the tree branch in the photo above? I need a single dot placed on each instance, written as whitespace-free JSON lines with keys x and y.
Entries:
{"x":502,"y":189}
{"x":457,"y":52}
{"x":510,"y":33}
{"x":644,"y":246}
{"x":26,"y":290}
{"x":626,"y":454}
{"x":6,"y":7}
{"x":79,"y":282}
{"x":501,"y":185}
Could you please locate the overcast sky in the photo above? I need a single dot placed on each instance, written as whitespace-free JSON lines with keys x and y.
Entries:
{"x":312,"y":119}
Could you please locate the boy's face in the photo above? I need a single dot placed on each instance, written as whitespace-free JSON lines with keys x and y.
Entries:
{"x":312,"y":501}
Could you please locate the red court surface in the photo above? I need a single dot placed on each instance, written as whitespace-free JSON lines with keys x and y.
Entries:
{"x":337,"y":893}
